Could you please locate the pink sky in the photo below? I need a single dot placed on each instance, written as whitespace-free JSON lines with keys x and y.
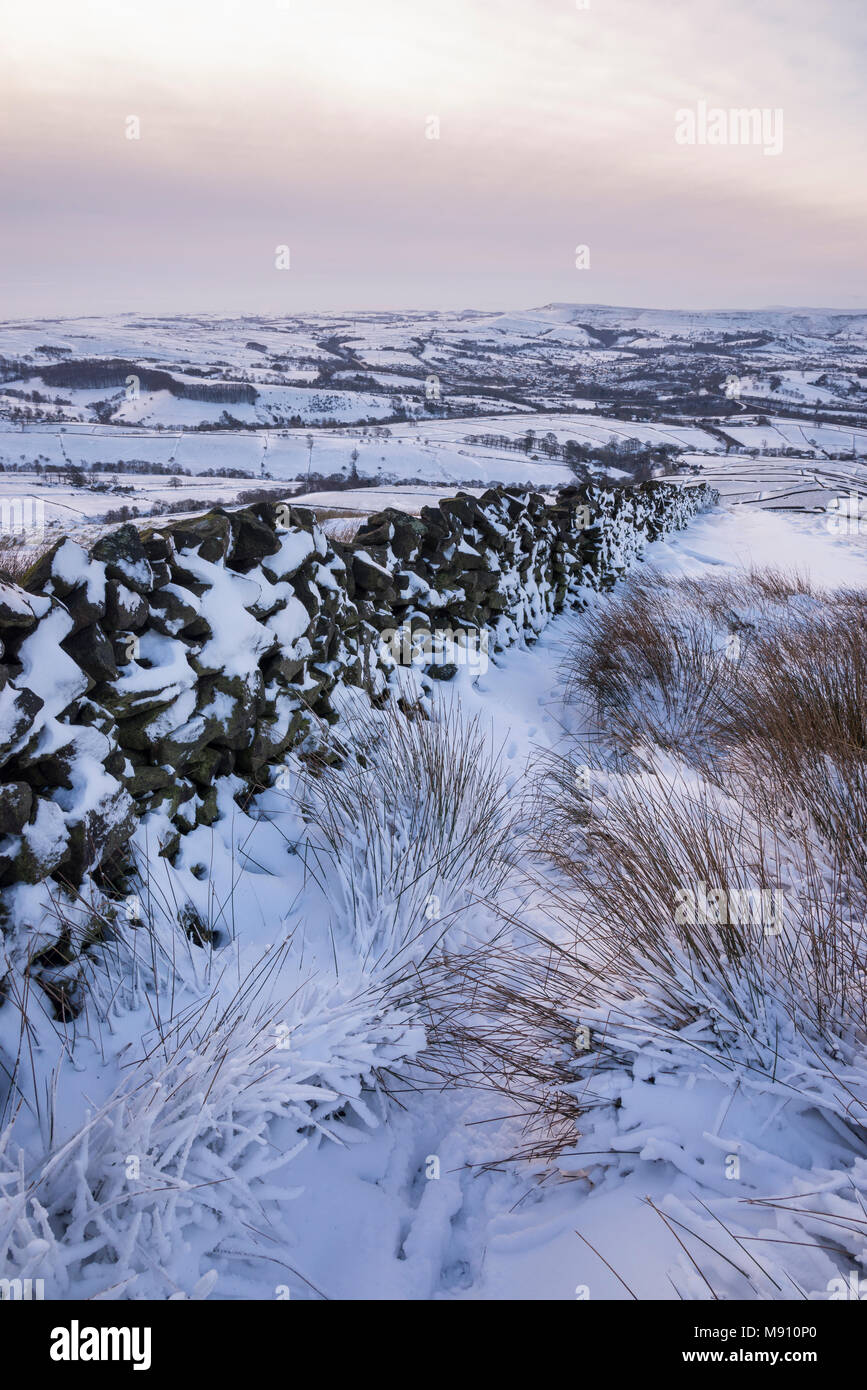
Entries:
{"x":304,"y":123}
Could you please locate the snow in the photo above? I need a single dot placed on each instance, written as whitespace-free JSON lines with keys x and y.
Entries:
{"x":743,"y":540}
{"x":238,"y":638}
{"x":73,"y":567}
{"x":14,"y":600}
{"x":294,"y":550}
{"x":166,"y":675}
{"x":262,"y":1092}
{"x":372,"y":1224}
{"x":45,"y":836}
{"x":428,"y":453}
{"x":46,"y":668}
{"x":290,"y":623}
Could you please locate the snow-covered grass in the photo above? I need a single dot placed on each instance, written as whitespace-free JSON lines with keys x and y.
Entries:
{"x":220,"y":1014}
{"x":175,"y":1163}
{"x":411,"y":829}
{"x":760,"y":678}
{"x":17,"y":555}
{"x":662,"y":660}
{"x":340,"y":528}
{"x":334,"y":987}
{"x":700,"y":926}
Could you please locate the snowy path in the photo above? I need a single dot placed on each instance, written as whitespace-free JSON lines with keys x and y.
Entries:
{"x":371,"y":1224}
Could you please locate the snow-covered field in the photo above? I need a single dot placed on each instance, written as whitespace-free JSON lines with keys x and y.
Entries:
{"x":438,"y":452}
{"x":373,"y":1159}
{"x":788,"y":484}
{"x":358,"y":1173}
{"x":372,"y":1224}
{"x":428,"y":398}
{"x":418,"y":454}
{"x":410,"y":450}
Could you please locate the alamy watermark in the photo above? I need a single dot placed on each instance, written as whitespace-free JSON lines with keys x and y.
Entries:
{"x":442,"y":647}
{"x":854,"y":1288}
{"x":736,"y":125}
{"x":22,"y":516}
{"x":705,"y":905}
{"x":847,"y":516}
{"x":21,"y":1290}
{"x":77,"y":1343}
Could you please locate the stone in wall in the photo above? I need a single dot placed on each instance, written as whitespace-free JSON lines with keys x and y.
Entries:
{"x":138,"y":674}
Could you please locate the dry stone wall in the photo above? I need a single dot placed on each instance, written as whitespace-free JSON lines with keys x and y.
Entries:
{"x":136,"y":675}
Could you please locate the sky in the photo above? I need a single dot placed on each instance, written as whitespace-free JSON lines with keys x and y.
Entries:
{"x":279,"y":156}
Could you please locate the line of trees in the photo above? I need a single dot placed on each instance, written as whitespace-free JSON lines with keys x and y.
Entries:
{"x":629,"y":455}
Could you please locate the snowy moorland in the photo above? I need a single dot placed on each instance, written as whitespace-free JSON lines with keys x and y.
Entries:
{"x":108,"y":419}
{"x":550,"y":986}
{"x":539,"y":975}
{"x":103,"y":419}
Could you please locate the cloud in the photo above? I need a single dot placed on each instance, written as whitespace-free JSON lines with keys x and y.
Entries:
{"x":306,"y":123}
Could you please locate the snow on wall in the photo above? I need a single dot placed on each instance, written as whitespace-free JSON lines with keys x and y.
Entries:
{"x":140,"y":674}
